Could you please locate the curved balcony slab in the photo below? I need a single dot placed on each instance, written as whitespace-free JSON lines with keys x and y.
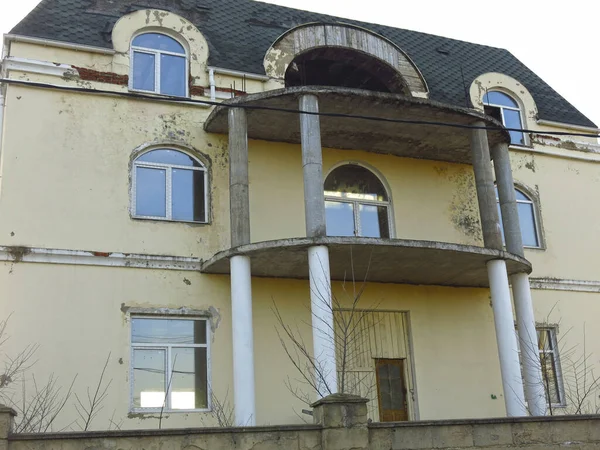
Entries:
{"x":376,"y":260}
{"x":435,"y":142}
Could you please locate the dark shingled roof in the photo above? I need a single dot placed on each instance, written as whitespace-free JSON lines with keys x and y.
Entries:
{"x":239,"y":32}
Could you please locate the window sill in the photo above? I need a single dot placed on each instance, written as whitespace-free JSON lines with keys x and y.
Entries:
{"x":167,"y":411}
{"x":162,"y":219}
{"x":158,"y":94}
{"x":543,"y":249}
{"x":520,"y":147}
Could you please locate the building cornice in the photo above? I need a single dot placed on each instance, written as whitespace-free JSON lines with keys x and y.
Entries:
{"x":237,"y":73}
{"x":12,"y":63}
{"x":17,"y":254}
{"x":551,"y":123}
{"x":559,"y":284}
{"x":59,"y":44}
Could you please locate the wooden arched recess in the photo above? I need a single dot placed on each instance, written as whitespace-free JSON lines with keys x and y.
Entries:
{"x":319,"y":39}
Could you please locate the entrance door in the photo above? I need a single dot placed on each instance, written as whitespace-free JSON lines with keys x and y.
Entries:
{"x":391,"y":390}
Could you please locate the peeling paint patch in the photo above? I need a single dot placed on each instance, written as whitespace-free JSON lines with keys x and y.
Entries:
{"x":215,"y":318}
{"x":463,"y":209}
{"x":102,"y":77}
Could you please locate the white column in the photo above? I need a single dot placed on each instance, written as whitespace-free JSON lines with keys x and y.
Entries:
{"x":532,"y":370}
{"x":322,"y":320}
{"x":241,"y":287}
{"x":318,"y":255}
{"x":506,"y":339}
{"x":1,"y":118}
{"x":243,"y":342}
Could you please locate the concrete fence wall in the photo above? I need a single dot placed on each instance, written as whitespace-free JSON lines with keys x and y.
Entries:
{"x":340,"y":423}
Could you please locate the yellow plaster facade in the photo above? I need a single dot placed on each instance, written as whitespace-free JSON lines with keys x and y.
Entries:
{"x":66,"y":184}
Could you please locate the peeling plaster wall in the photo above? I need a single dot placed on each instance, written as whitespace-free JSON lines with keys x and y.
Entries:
{"x":72,"y":170}
{"x":568,"y":194}
{"x":431,"y":200}
{"x":84,"y":309}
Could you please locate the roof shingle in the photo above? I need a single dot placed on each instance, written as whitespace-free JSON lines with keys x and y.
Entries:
{"x":239,"y":32}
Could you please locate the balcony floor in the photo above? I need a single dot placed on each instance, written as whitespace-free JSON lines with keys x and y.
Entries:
{"x":376,"y":260}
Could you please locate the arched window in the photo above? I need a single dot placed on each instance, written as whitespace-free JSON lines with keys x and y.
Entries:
{"x":528,"y":219}
{"x":169,"y":185}
{"x":159,"y":65}
{"x":504,"y":108}
{"x":356,"y":203}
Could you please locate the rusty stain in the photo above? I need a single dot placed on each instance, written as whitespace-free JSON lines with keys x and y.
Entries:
{"x":104,"y":254}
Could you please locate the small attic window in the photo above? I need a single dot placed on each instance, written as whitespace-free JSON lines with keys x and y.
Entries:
{"x":158,"y":65}
{"x":505,"y":109}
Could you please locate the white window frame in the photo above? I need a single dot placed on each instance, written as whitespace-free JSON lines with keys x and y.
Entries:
{"x":168,"y":369}
{"x":355,"y":203}
{"x":518,"y":109}
{"x":157,"y":62}
{"x":557,"y":368}
{"x":536,"y":219}
{"x":168,"y":168}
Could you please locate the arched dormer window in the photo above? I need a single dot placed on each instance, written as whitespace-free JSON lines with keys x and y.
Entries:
{"x":356,"y":203}
{"x":169,"y":185}
{"x":528,"y":219}
{"x":158,"y":65}
{"x":505,"y":109}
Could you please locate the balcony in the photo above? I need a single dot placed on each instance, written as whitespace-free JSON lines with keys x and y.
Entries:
{"x":413,"y":138}
{"x":374,"y":260}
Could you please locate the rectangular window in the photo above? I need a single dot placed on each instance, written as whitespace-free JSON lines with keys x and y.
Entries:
{"x":550,"y":364}
{"x":551,"y":374}
{"x":169,"y":364}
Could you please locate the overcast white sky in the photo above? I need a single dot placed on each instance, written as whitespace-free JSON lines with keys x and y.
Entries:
{"x":560,"y":41}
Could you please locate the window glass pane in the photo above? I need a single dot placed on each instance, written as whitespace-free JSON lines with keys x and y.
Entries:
{"x":150,"y":192}
{"x":339,"y":218}
{"x":188,"y":195}
{"x":498,"y":98}
{"x":188,"y":384}
{"x":391,"y":386}
{"x":148,"y":378}
{"x":521,"y":196}
{"x":165,"y":156}
{"x":143,"y":71}
{"x":172,"y":331}
{"x":172,"y":75}
{"x":493,"y":111}
{"x":356,"y":182}
{"x":544,"y":339}
{"x":512,"y":119}
{"x":549,"y":377}
{"x":527,"y":221}
{"x":158,"y":42}
{"x":500,"y":218}
{"x":374,"y":221}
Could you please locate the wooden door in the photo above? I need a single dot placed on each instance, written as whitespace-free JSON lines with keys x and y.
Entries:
{"x":391,"y":390}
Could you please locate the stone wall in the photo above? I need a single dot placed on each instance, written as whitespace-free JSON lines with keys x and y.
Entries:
{"x":340,"y":424}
